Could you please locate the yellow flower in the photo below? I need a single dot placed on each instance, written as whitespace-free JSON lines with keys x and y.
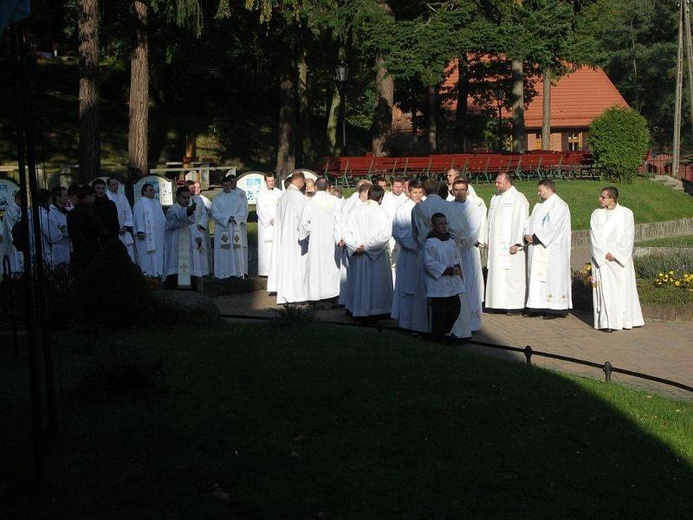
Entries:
{"x":677,"y":283}
{"x":660,"y":274}
{"x":671,"y":272}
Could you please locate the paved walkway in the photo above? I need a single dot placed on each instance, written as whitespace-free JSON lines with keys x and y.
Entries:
{"x":662,"y":349}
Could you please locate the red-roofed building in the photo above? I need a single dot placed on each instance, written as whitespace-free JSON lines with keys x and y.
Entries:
{"x":576,"y":99}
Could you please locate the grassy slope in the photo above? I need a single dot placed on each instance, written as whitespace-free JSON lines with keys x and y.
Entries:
{"x":650,"y":202}
{"x":293,"y":424}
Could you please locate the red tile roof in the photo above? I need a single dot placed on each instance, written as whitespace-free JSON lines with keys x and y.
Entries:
{"x":576,"y":99}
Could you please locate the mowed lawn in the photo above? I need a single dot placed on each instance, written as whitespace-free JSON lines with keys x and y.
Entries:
{"x":261,"y":421}
{"x":650,"y":201}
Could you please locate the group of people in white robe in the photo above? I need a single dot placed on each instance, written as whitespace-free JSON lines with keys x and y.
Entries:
{"x":379,"y":252}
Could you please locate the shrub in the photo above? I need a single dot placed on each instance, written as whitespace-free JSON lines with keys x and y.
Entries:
{"x":619,"y":139}
{"x":113,"y":293}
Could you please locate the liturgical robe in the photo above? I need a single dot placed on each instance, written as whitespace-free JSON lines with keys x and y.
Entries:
{"x":265,"y":207}
{"x":548,"y":262}
{"x":125,"y":219}
{"x":149,"y":219}
{"x":506,"y":284}
{"x":180,"y":247}
{"x":230,"y":238}
{"x":614,"y":293}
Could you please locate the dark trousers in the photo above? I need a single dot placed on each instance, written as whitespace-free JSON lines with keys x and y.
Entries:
{"x":444,"y":314}
{"x":171,"y":282}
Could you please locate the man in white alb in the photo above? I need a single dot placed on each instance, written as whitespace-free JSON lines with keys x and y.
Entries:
{"x":366,"y":234}
{"x":230,"y":212}
{"x":466,"y":218}
{"x":266,"y":207}
{"x":547,"y":237}
{"x":181,"y":242}
{"x":287,"y":276}
{"x":507,"y":214}
{"x":422,"y":212}
{"x":409,"y":301}
{"x":614,"y":292}
{"x":149,"y":225}
{"x":199,"y":233}
{"x":124,"y":215}
{"x":57,"y":214}
{"x":317,"y":226}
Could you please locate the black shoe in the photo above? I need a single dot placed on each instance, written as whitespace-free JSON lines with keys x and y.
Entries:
{"x":514,"y":312}
{"x":532,"y":314}
{"x":551,"y":316}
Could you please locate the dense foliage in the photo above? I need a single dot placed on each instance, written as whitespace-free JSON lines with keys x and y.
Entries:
{"x":619,"y":139}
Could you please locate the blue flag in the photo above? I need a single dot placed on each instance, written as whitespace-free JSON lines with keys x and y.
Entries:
{"x":12,"y":11}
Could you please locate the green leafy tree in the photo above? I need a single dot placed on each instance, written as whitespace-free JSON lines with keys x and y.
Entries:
{"x":619,"y":139}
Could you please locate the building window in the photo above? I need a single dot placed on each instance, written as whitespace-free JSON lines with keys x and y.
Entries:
{"x":574,"y":141}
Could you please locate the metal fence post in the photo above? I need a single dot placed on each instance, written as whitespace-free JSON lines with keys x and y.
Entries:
{"x":607,"y":371}
{"x":528,"y":355}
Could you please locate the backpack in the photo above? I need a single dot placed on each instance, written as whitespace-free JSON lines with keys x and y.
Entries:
{"x":19,"y":240}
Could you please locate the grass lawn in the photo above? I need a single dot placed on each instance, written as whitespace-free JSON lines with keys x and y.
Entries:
{"x":650,"y":201}
{"x":248,"y":421}
{"x":686,"y":241}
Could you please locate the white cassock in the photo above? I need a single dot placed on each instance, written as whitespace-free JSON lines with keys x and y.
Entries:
{"x":506,"y":284}
{"x":370,"y":275}
{"x":323,"y":259}
{"x":180,"y":245}
{"x":287,"y":276}
{"x":125,"y":219}
{"x":208,"y":241}
{"x":148,"y":218}
{"x":60,"y":250}
{"x":614,"y":293}
{"x":421,"y":217}
{"x":409,"y":301}
{"x":347,"y":206}
{"x":437,"y":256}
{"x":230,"y":239}
{"x":265,"y":207}
{"x":466,"y":219}
{"x":548,"y":263}
{"x":13,"y":214}
{"x":50,"y":234}
{"x":200,"y":237}
{"x":390,"y":203}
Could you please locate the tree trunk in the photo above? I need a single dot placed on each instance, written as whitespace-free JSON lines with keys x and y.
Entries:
{"x":382,"y":116}
{"x":546,"y":112}
{"x":460,"y":143}
{"x":286,"y":147}
{"x":518,"y":107}
{"x":307,"y":156}
{"x":432,"y":118}
{"x":138,"y":138}
{"x":333,"y":144}
{"x":89,"y":126}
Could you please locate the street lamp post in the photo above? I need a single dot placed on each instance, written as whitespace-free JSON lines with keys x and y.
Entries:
{"x":341,"y":75}
{"x":499,"y":94}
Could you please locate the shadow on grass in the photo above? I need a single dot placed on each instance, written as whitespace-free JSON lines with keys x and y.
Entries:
{"x":313,"y":421}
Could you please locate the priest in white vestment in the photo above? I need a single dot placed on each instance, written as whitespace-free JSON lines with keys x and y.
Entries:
{"x":317,"y":225}
{"x":230,"y":212}
{"x":547,"y":237}
{"x":50,"y":232}
{"x":391,"y":201}
{"x":199,"y":233}
{"x":266,"y":206}
{"x":125,"y":219}
{"x":196,"y":190}
{"x":366,"y":234}
{"x":507,"y":214}
{"x":182,"y":244}
{"x":149,"y":225}
{"x":409,"y":301}
{"x":287,"y":276}
{"x":359,"y":197}
{"x":57,"y":214}
{"x":467,"y":215}
{"x":614,"y":293}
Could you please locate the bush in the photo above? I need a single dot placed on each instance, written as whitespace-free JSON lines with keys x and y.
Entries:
{"x":619,"y":139}
{"x":113,"y":293}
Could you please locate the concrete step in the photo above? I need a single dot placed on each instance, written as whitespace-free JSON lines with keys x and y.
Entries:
{"x":669,"y":182}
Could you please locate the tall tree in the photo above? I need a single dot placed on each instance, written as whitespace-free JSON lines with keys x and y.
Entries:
{"x":138,"y":142}
{"x":89,"y":125}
